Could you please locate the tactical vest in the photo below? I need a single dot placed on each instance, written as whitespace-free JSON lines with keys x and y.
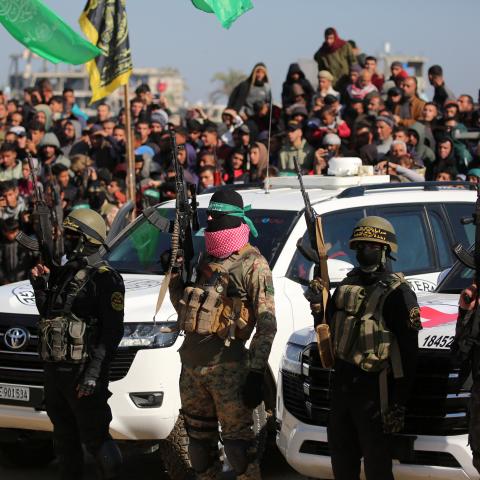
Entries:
{"x":360,"y":336}
{"x":64,"y":338}
{"x":205,"y":307}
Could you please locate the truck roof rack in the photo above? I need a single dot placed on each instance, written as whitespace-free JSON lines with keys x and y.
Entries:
{"x":359,"y":190}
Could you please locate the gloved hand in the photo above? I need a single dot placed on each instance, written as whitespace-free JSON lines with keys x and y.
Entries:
{"x":39,"y":276}
{"x":394,"y":418}
{"x":86,"y":387}
{"x":165,"y":258}
{"x":252,"y":392}
{"x":314,"y":294}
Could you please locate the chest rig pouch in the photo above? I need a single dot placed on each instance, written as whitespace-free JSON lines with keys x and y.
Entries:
{"x":360,"y":335}
{"x":64,"y":338}
{"x":206,"y":309}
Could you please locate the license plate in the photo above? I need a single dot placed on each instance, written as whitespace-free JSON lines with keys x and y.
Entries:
{"x":14,"y":392}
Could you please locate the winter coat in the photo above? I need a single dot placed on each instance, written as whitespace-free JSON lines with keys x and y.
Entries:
{"x":287,"y":90}
{"x":337,"y":63}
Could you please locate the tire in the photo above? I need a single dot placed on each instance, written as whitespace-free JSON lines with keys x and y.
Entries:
{"x":27,"y":453}
{"x":174,"y":453}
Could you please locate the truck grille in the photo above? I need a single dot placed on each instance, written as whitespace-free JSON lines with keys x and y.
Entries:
{"x":434,"y":408}
{"x":25,"y":367}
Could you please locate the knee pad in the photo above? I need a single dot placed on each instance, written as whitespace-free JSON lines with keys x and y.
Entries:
{"x":239,"y":454}
{"x":202,"y":454}
{"x":109,"y":460}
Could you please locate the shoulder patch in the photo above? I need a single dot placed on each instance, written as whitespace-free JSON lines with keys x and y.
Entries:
{"x":117,"y":301}
{"x":414,"y":319}
{"x":103,"y":269}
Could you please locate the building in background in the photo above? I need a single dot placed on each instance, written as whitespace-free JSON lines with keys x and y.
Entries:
{"x":162,"y":81}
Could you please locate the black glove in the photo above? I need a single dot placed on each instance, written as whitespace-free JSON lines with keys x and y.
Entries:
{"x":252,"y":392}
{"x":314,"y":291}
{"x":394,"y":418}
{"x":86,"y":387}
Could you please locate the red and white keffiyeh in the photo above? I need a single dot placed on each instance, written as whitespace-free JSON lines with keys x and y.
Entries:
{"x":223,"y":243}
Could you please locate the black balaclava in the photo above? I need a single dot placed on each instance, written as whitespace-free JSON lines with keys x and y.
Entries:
{"x":221,"y":221}
{"x":76,"y":246}
{"x":369,"y":259}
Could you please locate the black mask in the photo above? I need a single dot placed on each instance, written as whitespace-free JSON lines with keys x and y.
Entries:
{"x":72,"y":244}
{"x":369,"y":258}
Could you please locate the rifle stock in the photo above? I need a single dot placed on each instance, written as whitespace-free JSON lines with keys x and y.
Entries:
{"x":317,"y":243}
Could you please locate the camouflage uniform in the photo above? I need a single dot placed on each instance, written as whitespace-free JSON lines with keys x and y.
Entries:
{"x":213,"y":374}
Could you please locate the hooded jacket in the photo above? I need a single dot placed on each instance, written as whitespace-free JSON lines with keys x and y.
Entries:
{"x":257,"y":172}
{"x":440,"y":164}
{"x":246,"y":92}
{"x":422,"y":151}
{"x":287,"y":90}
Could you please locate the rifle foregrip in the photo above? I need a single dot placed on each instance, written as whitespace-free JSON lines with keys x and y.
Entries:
{"x":325,"y":347}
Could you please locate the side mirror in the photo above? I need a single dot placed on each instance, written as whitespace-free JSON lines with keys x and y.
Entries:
{"x":442,"y":275}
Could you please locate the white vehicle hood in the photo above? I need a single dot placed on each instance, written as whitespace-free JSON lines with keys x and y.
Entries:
{"x":141,"y":292}
{"x":438,"y":312}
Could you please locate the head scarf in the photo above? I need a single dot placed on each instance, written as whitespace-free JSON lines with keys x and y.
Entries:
{"x":338,"y":43}
{"x":234,"y":211}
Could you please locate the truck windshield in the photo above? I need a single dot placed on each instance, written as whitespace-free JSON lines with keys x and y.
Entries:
{"x":140,"y":248}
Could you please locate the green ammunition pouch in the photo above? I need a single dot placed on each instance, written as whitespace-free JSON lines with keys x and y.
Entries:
{"x":206,"y":309}
{"x":64,"y":338}
{"x":359,"y":332}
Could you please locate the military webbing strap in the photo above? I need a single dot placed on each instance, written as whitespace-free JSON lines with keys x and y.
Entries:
{"x":79,"y":281}
{"x":322,"y":254}
{"x":376,"y":301}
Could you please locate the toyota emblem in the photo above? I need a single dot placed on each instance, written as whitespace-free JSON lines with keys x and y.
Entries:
{"x":16,"y":338}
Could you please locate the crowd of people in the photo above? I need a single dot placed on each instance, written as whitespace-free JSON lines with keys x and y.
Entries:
{"x":48,"y":143}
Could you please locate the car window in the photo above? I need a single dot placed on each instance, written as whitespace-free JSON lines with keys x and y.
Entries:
{"x":440,"y":236}
{"x":464,"y":234}
{"x":337,"y":228}
{"x":414,"y":249}
{"x":139,"y":250}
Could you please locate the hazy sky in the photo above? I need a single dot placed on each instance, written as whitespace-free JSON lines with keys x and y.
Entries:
{"x":279,"y":32}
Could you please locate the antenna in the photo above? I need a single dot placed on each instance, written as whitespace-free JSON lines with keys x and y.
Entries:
{"x":267,"y":178}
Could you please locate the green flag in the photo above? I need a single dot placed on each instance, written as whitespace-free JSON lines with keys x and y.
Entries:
{"x":43,"y":32}
{"x":227,"y":11}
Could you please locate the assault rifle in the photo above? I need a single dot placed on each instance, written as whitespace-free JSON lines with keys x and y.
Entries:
{"x":316,"y":252}
{"x":186,"y":222}
{"x":47,"y":220}
{"x":468,"y":331}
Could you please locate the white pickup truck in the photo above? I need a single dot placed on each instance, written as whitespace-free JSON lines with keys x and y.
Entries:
{"x":435,"y":440}
{"x":145,"y":371}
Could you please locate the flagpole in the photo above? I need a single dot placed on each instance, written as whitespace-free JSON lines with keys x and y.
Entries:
{"x":129,"y":154}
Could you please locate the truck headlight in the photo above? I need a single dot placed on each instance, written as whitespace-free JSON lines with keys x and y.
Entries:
{"x":149,"y":335}
{"x":292,"y":358}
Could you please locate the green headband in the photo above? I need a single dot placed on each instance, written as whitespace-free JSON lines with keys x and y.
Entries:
{"x":234,"y":211}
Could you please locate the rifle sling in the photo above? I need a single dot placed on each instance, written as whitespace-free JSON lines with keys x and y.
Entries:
{"x":322,"y":254}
